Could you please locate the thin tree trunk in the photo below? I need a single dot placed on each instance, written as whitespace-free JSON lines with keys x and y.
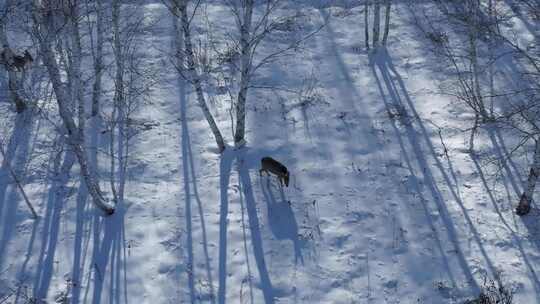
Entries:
{"x":76,"y":59}
{"x":98,"y":60}
{"x":193,"y":75}
{"x":119,"y":103}
{"x":112,"y":140}
{"x":387,"y":22}
{"x":245,"y":71}
{"x":473,"y":44}
{"x":376,"y":23}
{"x":95,"y":119}
{"x":366,"y":23}
{"x":525,"y":201}
{"x":477,"y":92}
{"x":17,"y":181}
{"x":63,"y":101}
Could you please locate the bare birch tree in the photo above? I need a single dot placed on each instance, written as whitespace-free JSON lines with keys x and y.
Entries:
{"x":179,"y":9}
{"x":525,"y":110}
{"x":477,"y":30}
{"x":75,"y":74}
{"x":244,"y":17}
{"x":526,"y":198}
{"x":251,"y":35}
{"x":376,"y":23}
{"x":366,"y":23}
{"x":98,"y":58}
{"x":118,"y":103}
{"x":96,"y":46}
{"x":44,"y":34}
{"x":132,"y":82}
{"x":388,"y":7}
{"x":464,"y":54}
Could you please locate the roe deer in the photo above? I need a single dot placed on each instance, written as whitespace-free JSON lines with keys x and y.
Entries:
{"x":20,"y":62}
{"x":15,"y":61}
{"x":270,"y":165}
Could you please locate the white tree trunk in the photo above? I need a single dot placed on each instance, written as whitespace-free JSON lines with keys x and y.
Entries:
{"x":194,"y":77}
{"x":366,"y":23}
{"x":120,"y":102}
{"x":526,"y":198}
{"x":386,"y":22}
{"x":96,"y":120}
{"x":63,"y":101}
{"x":376,"y":23}
{"x":119,"y":106}
{"x":98,"y":59}
{"x":76,"y":58}
{"x":477,"y":91}
{"x":245,"y":72}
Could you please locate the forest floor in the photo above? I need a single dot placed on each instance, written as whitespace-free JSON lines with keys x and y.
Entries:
{"x":385,"y":204}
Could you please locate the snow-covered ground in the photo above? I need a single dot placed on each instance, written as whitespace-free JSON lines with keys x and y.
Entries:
{"x":376,"y":211}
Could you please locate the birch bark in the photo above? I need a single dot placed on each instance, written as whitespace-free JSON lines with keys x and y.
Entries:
{"x":74,"y":137}
{"x":98,"y":59}
{"x":194,"y":78}
{"x":376,"y":23}
{"x":245,"y":72}
{"x":366,"y":23}
{"x":525,"y":201}
{"x":387,"y":22}
{"x":76,"y":58}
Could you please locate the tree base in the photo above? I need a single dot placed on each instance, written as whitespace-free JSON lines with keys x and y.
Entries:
{"x":20,"y":106}
{"x":106,"y":207}
{"x":109,"y":211}
{"x":240,"y":144}
{"x":524,"y":207}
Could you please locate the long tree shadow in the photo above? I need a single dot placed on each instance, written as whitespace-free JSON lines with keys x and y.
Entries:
{"x":16,"y":158}
{"x":249,"y":221}
{"x":225,"y":166}
{"x":58,"y":195}
{"x":515,"y":237}
{"x":109,"y":249}
{"x":397,"y":101}
{"x":509,"y":67}
{"x":78,"y":258}
{"x":22,"y":275}
{"x":348,"y":92}
{"x":282,"y":221}
{"x":249,"y":278}
{"x":83,"y":217}
{"x":399,"y":86}
{"x":511,"y":70}
{"x":200,"y":210}
{"x":246,"y":191}
{"x":531,"y":27}
{"x":191,"y":191}
{"x":109,"y":254}
{"x":508,"y":164}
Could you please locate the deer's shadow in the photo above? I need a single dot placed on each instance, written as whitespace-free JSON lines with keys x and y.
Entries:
{"x":281,"y":219}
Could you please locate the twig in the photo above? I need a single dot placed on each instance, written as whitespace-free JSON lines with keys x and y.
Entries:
{"x":17,"y":181}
